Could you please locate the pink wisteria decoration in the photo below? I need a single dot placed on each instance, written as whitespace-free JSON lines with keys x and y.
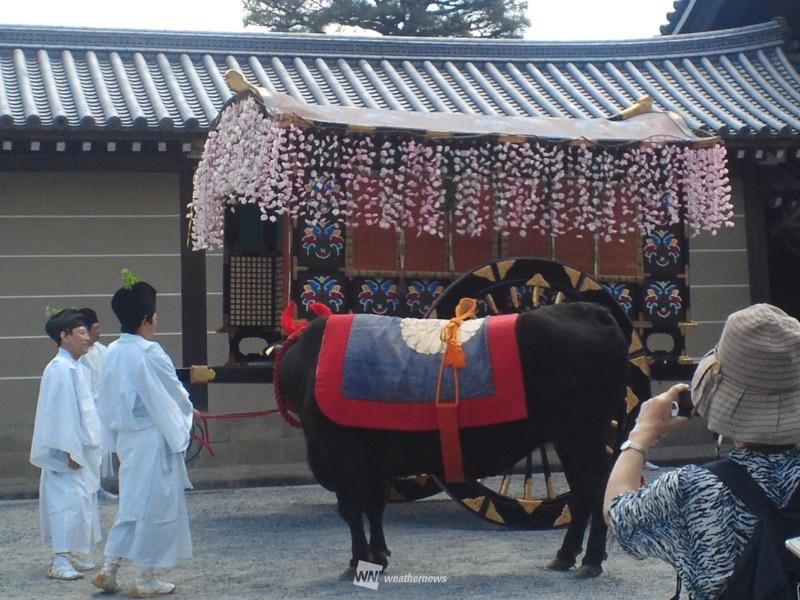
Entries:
{"x":400,"y":181}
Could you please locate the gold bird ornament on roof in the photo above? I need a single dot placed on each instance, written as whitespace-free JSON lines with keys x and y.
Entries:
{"x":237,"y":83}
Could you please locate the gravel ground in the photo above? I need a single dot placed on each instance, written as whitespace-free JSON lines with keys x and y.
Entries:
{"x":288,"y":542}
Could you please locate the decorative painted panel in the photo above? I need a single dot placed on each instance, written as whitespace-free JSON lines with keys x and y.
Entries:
{"x":664,"y":302}
{"x":319,"y":245}
{"x":626,"y":296}
{"x":377,"y":296}
{"x":329,"y":288}
{"x":421,"y":293}
{"x":663,"y":252}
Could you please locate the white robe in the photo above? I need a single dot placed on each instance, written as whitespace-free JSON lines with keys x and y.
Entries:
{"x":146,"y":419}
{"x":67,"y":424}
{"x":93,"y":360}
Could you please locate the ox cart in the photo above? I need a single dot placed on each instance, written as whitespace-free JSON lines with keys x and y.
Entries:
{"x":403,"y":214}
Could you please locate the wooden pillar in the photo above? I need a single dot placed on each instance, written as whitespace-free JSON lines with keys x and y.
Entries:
{"x":193,"y":296}
{"x":757,"y":193}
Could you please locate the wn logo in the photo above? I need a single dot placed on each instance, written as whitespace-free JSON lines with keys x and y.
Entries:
{"x":367,"y":575}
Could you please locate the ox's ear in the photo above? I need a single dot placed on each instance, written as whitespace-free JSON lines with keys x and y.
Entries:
{"x":289,"y":324}
{"x":320,"y":309}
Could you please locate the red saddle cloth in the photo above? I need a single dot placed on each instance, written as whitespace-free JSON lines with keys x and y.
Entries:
{"x":369,"y":376}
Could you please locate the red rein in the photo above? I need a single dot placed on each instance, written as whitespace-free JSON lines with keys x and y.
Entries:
{"x":292,"y":328}
{"x":205,"y":441}
{"x":283,"y":406}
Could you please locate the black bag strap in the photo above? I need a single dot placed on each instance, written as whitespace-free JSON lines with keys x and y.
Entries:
{"x":678,"y":587}
{"x":742,"y":485}
{"x":738,"y":480}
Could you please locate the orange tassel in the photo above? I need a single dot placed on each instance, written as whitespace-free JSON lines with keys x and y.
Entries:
{"x":447,"y":411}
{"x":453,"y":353}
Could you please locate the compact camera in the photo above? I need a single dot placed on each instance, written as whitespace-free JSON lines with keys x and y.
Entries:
{"x":793,"y":545}
{"x":684,"y":407}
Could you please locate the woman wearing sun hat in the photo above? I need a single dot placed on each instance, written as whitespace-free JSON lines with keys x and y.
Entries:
{"x":748,"y":387}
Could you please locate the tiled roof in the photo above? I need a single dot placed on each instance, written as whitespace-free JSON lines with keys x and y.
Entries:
{"x":694,"y":16}
{"x":740,"y":82}
{"x":678,"y":20}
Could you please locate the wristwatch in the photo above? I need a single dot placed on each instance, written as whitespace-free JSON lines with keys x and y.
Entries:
{"x":631,"y":445}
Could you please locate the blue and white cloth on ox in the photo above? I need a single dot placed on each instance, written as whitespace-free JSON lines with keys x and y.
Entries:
{"x":381,"y":372}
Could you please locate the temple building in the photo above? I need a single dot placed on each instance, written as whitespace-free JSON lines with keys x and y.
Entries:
{"x":101,"y":131}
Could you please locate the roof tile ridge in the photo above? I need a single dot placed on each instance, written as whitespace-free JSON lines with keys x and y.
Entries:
{"x":677,"y":17}
{"x":674,"y":15}
{"x":749,"y":37}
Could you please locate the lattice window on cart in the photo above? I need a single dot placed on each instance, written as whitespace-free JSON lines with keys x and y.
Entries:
{"x":252,"y":291}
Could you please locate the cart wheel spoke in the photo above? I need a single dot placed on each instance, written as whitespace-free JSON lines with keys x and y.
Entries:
{"x":409,"y":489}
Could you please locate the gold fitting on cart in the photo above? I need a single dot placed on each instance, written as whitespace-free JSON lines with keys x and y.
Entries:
{"x":201,"y":374}
{"x":237,"y":82}
{"x":641,"y":106}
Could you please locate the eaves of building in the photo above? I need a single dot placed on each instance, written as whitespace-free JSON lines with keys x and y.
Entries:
{"x":740,"y":83}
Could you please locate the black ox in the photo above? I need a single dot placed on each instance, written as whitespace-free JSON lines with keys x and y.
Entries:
{"x":574,"y":361}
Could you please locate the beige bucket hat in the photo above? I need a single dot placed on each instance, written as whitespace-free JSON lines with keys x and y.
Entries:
{"x":749,"y":385}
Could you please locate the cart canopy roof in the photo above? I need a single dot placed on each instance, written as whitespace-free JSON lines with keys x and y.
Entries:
{"x":443,"y":173}
{"x":638,"y":125}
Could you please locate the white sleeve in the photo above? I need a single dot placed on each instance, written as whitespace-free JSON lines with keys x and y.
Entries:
{"x":57,"y":428}
{"x":165,"y":398}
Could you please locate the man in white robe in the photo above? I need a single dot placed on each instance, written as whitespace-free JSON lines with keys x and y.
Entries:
{"x":146,"y":419}
{"x":93,"y":360}
{"x":66,"y":447}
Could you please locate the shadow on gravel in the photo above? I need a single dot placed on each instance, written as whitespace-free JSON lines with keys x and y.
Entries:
{"x":443,"y":513}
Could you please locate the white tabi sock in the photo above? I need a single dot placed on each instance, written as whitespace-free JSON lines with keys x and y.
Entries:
{"x":147,"y":585}
{"x":106,"y":579}
{"x":61,"y":568}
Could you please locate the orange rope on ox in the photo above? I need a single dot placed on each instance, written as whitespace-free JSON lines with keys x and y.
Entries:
{"x":447,"y":411}
{"x":453,"y":354}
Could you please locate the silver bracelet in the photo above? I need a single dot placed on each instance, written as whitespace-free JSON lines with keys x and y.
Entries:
{"x":631,"y":445}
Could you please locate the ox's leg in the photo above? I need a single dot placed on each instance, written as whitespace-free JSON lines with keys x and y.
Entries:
{"x":346,"y":479}
{"x":351,"y":504}
{"x":592,"y":563}
{"x":376,"y":502}
{"x":586,"y":467}
{"x":571,"y":546}
{"x":593,"y":471}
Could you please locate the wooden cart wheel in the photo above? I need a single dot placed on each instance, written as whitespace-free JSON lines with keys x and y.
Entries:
{"x":409,"y":489}
{"x":516,"y":285}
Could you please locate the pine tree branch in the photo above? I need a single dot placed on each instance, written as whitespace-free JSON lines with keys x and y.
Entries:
{"x":481,"y":18}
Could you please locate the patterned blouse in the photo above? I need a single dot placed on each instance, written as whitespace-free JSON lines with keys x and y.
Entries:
{"x":690,"y":519}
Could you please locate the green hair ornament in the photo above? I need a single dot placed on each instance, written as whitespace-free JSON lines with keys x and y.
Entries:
{"x":49,"y":312}
{"x":128,"y":279}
